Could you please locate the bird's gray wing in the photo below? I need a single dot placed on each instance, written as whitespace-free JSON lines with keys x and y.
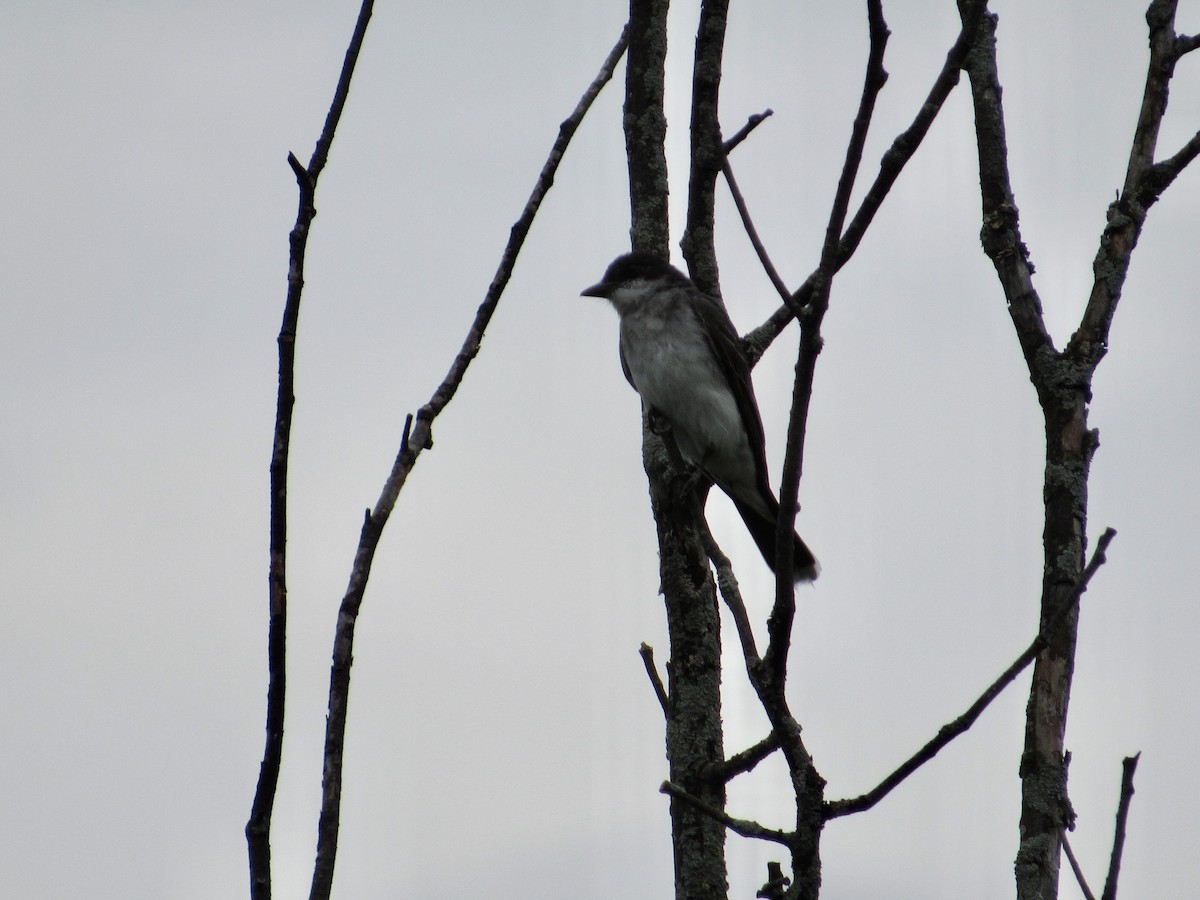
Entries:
{"x":727,"y":348}
{"x":625,"y":368}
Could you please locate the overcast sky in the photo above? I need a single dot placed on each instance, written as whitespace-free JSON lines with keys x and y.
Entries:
{"x":503,"y":740}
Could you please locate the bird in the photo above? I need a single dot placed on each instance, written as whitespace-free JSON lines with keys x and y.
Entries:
{"x":681,"y":353}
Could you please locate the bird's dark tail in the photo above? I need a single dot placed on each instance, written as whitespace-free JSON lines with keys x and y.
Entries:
{"x":762,"y":529}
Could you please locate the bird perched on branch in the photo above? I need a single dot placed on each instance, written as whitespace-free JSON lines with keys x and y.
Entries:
{"x":682,"y":355}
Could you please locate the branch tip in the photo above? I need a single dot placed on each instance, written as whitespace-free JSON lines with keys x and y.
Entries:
{"x":647,"y":654}
{"x":744,"y":132}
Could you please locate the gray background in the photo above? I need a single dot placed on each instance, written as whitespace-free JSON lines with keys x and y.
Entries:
{"x":503,"y":740}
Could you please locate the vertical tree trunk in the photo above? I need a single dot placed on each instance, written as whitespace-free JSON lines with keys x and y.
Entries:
{"x":694,"y":736}
{"x":1045,"y":808}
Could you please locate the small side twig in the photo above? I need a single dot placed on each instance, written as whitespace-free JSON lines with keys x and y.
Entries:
{"x":258,"y":827}
{"x":1128,"y":767}
{"x":739,"y":201}
{"x":646,"y":652}
{"x":744,"y":827}
{"x":894,"y":160}
{"x":730,"y":593}
{"x":1159,"y":176}
{"x":951,"y":730}
{"x":744,"y":761}
{"x":744,"y":132}
{"x":760,"y":249}
{"x":1075,"y":867}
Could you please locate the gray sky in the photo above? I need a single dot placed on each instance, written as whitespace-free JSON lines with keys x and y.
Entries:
{"x":502,"y":736}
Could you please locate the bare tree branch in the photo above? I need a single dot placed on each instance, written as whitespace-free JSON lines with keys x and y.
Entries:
{"x":707,"y":152}
{"x":1063,"y":381}
{"x":731,"y":594}
{"x":873,"y":82}
{"x":906,"y":144}
{"x":1128,"y":767}
{"x":258,"y":828}
{"x":891,"y":165}
{"x":769,"y":676}
{"x":410,"y":450}
{"x":744,"y":827}
{"x":951,"y":730}
{"x":646,"y":652}
{"x":744,"y":761}
{"x":779,"y":625}
{"x":1160,"y":17}
{"x":744,"y":211}
{"x":1160,"y":175}
{"x":1144,"y":182}
{"x":744,"y":132}
{"x":760,"y":250}
{"x":1083,"y":885}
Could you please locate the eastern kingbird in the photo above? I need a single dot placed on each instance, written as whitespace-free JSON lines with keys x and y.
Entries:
{"x":681,"y":353}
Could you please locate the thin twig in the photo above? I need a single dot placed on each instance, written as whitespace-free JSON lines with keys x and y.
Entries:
{"x":1128,"y":767}
{"x":891,"y":165}
{"x":406,"y":458}
{"x":906,"y":144}
{"x":744,"y":132}
{"x":744,"y":761}
{"x":779,"y":625}
{"x":258,"y":827}
{"x":646,"y":652}
{"x":951,"y":730}
{"x":730,"y":593}
{"x":1160,"y":175}
{"x":745,"y":827}
{"x":760,"y":249}
{"x":873,"y":82}
{"x":1083,"y":885}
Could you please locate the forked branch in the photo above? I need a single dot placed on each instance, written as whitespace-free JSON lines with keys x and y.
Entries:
{"x":891,"y":165}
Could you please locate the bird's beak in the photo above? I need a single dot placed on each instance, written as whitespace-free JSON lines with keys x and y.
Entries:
{"x":600,"y":289}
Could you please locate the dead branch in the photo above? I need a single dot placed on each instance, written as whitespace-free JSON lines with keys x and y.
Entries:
{"x":744,"y":132}
{"x":1063,"y":381}
{"x":745,"y":760}
{"x":891,"y":165}
{"x":410,"y":450}
{"x":646,"y":652}
{"x":1075,"y":867}
{"x":731,"y":594}
{"x":258,"y":828}
{"x":1128,"y":767}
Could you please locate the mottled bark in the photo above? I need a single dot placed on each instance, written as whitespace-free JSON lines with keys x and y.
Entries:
{"x":1063,"y":380}
{"x":693,"y":709}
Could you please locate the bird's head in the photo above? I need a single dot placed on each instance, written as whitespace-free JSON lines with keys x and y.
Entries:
{"x":630,"y":278}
